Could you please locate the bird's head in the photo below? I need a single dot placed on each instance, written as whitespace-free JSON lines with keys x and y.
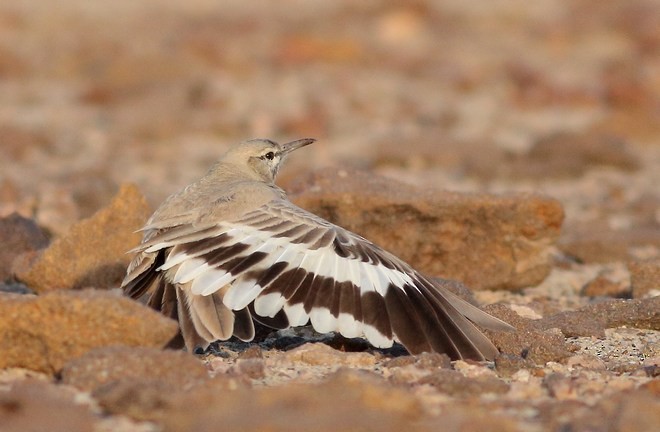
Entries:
{"x":262,"y":157}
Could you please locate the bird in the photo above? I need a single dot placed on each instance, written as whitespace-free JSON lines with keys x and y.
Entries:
{"x":231,"y":249}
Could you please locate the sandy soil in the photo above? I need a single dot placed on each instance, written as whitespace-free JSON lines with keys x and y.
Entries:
{"x":556,"y":98}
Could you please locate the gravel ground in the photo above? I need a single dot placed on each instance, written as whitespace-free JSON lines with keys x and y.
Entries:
{"x":513,"y":146}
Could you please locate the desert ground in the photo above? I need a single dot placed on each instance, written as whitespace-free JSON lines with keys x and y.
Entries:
{"x":509,"y":147}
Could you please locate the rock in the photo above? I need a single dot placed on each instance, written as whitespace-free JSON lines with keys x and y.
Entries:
{"x":507,"y":238}
{"x":560,"y":386}
{"x":432,"y":361}
{"x":317,"y":354}
{"x":598,"y":244}
{"x":252,"y":368}
{"x":570,"y":154}
{"x":592,"y":320}
{"x":346,"y":401}
{"x":38,"y":406}
{"x":634,"y":411}
{"x":101,"y":366}
{"x":601,"y":286}
{"x":528,"y":341}
{"x":509,"y":364}
{"x":43,"y":333}
{"x":558,"y":155}
{"x":18,"y":235}
{"x":472,"y":415}
{"x":252,"y":352}
{"x":625,"y":411}
{"x":137,"y":399}
{"x":644,"y":277}
{"x":18,"y":143}
{"x":455,"y":384}
{"x":585,"y":361}
{"x":93,"y":252}
{"x":150,"y":399}
{"x":478,"y":159}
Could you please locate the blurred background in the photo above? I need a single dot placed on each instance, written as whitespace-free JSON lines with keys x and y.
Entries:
{"x":557,"y":96}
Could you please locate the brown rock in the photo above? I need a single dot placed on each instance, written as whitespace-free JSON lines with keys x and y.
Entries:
{"x":441,"y":233}
{"x":432,"y":361}
{"x":18,"y":235}
{"x":601,"y":286}
{"x":101,"y":366}
{"x":19,"y":143}
{"x":11,"y":64}
{"x":585,"y":361}
{"x":93,"y":252}
{"x":508,"y":364}
{"x":253,"y":368}
{"x":597,"y":244}
{"x":479,"y":159}
{"x":558,"y":155}
{"x":43,"y":333}
{"x":316,"y":354}
{"x":38,"y":406}
{"x":90,"y":190}
{"x":570,"y":154}
{"x":150,"y":399}
{"x":252,"y":352}
{"x":422,"y":361}
{"x":347,"y":401}
{"x":471,"y":415}
{"x":592,"y":320}
{"x":635,"y":411}
{"x":455,"y":384}
{"x":137,"y":399}
{"x":644,"y":277}
{"x":528,"y":341}
{"x":626,"y":411}
{"x":429,"y":361}
{"x":639,"y":313}
{"x":574,"y":324}
{"x":560,"y":386}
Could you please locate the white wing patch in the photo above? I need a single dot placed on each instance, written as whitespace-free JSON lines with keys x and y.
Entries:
{"x":268,"y":305}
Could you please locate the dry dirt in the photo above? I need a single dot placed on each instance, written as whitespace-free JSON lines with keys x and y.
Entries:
{"x":511,"y":145}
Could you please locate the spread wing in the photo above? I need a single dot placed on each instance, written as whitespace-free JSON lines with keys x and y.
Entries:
{"x":280,"y":261}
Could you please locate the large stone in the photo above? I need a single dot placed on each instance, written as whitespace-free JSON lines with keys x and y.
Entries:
{"x":348,"y":401}
{"x":644,"y":277}
{"x":486,"y":241}
{"x":571,"y":154}
{"x":33,"y":405}
{"x":595,"y":243}
{"x":528,"y":344}
{"x":455,"y":384}
{"x":135,"y":381}
{"x":18,"y":235}
{"x":43,"y":333}
{"x":103,"y":366}
{"x":93,"y":252}
{"x":626,"y":411}
{"x":593,"y":319}
{"x":317,"y":354}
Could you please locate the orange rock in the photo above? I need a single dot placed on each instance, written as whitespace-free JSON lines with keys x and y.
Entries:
{"x":485,"y":241}
{"x":93,"y":252}
{"x":43,"y":333}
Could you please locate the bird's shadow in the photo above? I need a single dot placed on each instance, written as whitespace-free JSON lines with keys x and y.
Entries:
{"x":285,"y":340}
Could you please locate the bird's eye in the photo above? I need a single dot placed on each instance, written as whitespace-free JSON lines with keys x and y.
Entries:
{"x":270,"y":155}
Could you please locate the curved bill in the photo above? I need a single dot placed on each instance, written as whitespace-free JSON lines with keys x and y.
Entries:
{"x":293,"y":145}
